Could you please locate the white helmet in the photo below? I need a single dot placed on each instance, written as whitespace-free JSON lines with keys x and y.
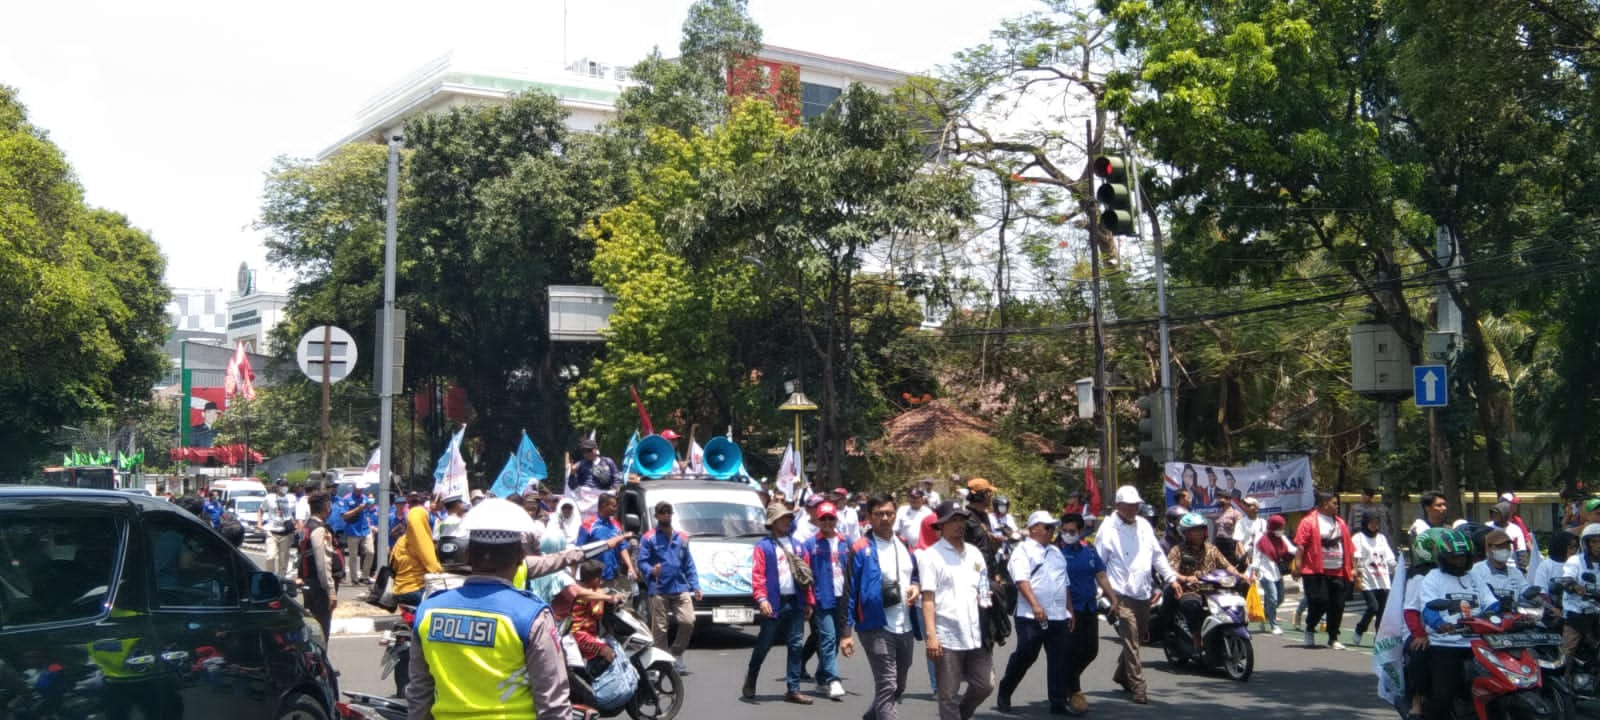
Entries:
{"x":1589,"y":531}
{"x":497,"y":521}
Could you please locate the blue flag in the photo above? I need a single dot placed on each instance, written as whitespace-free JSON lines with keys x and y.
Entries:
{"x":508,"y":483}
{"x":521,"y":469}
{"x":444,"y":460}
{"x":628,"y":455}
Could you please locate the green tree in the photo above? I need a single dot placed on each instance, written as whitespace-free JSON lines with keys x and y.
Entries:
{"x":86,"y":305}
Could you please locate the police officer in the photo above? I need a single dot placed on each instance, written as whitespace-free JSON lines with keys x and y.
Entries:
{"x":487,"y":648}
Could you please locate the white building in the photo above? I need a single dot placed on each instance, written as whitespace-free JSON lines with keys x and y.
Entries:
{"x":588,"y":88}
{"x":253,"y":314}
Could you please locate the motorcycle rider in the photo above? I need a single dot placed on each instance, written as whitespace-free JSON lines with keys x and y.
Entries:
{"x":1448,"y":651}
{"x":1582,"y":597}
{"x":487,"y":646}
{"x":1193,"y":558}
{"x":1423,"y":555}
{"x":1498,"y":569}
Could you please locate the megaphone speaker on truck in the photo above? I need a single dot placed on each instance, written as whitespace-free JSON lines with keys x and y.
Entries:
{"x":654,"y":457}
{"x":722,"y":457}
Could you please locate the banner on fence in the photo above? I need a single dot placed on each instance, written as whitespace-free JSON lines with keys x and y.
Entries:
{"x":1282,"y":486}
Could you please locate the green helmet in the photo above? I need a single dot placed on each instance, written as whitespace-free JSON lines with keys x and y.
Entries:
{"x":1425,"y":549}
{"x":1454,"y":545}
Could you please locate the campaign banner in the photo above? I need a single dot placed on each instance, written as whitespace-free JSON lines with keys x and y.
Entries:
{"x":1281,"y":487}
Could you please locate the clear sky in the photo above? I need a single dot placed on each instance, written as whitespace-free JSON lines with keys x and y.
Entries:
{"x":172,"y":111}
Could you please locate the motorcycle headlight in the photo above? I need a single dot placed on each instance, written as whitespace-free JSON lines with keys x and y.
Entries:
{"x":1227,"y":581}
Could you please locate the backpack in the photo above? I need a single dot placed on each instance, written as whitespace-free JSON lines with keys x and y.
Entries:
{"x":308,"y":564}
{"x":231,"y":529}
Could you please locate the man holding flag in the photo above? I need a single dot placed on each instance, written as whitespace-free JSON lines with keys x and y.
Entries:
{"x":594,"y":470}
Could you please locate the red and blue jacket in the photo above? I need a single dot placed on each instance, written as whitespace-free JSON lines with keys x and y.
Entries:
{"x":670,"y":551}
{"x":764,"y":574}
{"x":823,"y":559}
{"x":864,"y":598}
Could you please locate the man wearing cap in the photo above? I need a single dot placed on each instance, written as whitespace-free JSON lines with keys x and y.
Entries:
{"x":1248,"y":531}
{"x":908,"y":519}
{"x":784,"y":600}
{"x":454,"y":511}
{"x":487,"y":649}
{"x":933,"y":495}
{"x":593,"y":470}
{"x":1588,"y":513}
{"x":849,"y":520}
{"x":671,"y":582}
{"x":883,"y":607}
{"x":1500,"y":519}
{"x":981,"y":535}
{"x":477,"y":497}
{"x":1137,"y":570}
{"x":827,"y":550}
{"x":955,"y":596}
{"x":1516,"y":518}
{"x":805,"y":526}
{"x":1498,"y":568}
{"x":278,"y":516}
{"x":1044,"y":614}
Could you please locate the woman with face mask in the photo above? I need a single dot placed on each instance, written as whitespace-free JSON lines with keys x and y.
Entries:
{"x":1375,"y":566}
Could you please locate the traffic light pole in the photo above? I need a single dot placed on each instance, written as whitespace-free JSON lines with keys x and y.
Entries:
{"x":386,"y":359}
{"x":1169,"y":408}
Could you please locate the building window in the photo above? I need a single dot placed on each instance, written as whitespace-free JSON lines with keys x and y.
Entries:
{"x":815,"y":99}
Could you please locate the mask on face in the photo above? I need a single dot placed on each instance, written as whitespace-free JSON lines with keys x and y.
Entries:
{"x":1069,"y":538}
{"x":1500,"y":556}
{"x":1277,"y":533}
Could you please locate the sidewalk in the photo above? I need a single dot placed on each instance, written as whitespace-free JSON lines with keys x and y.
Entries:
{"x":352,"y":616}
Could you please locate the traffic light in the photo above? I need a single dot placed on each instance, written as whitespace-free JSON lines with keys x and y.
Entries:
{"x":1152,"y":433}
{"x":1116,"y":202}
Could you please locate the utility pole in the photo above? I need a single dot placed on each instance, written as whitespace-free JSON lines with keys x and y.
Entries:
{"x":1108,"y":466}
{"x":1169,"y":406}
{"x":386,"y":359}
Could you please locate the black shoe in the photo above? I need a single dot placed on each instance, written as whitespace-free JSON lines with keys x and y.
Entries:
{"x":1060,"y":710}
{"x":749,"y":690}
{"x":1002,"y":703}
{"x":805,"y":676}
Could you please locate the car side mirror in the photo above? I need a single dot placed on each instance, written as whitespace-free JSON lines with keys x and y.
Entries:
{"x":265,"y":587}
{"x":632,"y":523}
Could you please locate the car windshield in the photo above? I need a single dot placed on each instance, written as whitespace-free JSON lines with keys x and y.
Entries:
{"x":248,"y":506}
{"x":719,"y":519}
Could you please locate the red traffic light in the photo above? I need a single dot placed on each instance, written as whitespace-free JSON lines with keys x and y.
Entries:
{"x":1113,"y":169}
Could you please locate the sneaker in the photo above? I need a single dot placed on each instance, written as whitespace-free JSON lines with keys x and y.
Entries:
{"x":1079,"y":703}
{"x":681,"y":666}
{"x":836,"y":690}
{"x":1336,"y":645}
{"x":1277,"y":630}
{"x":1310,"y":640}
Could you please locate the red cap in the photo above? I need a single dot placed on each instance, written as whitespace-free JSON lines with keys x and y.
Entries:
{"x":668,"y":435}
{"x":1276,"y":522}
{"x":827,"y":510}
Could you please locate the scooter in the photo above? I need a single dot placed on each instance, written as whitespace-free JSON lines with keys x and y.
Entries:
{"x":397,"y":648}
{"x":1585,"y":659}
{"x":1224,"y":634}
{"x":361,"y":706}
{"x":658,"y":693}
{"x":1505,"y":677}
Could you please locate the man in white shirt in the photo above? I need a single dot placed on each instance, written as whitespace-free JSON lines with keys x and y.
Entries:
{"x":277,"y":513}
{"x":1498,"y":569}
{"x":1500,"y":519}
{"x":1044,"y":614}
{"x":1137,"y":570}
{"x":908,"y":519}
{"x":933,"y":496}
{"x":955,"y":594}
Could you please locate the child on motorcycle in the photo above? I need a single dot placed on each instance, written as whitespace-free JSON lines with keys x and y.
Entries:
{"x":1193,"y":559}
{"x":585,"y":603}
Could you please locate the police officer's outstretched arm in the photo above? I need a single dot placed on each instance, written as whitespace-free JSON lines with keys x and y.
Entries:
{"x":547,"y":669}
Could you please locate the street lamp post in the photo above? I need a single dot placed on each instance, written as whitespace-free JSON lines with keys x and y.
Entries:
{"x":798,"y":403}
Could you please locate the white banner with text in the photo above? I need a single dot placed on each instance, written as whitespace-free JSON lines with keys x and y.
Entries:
{"x":1282,"y":486}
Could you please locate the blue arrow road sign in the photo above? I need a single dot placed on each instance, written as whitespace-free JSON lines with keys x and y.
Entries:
{"x":1429,"y":385}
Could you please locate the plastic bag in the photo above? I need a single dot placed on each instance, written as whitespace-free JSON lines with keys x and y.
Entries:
{"x":615,"y":687}
{"x":1254,"y":610}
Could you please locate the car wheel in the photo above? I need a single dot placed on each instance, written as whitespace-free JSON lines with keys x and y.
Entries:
{"x":302,"y":707}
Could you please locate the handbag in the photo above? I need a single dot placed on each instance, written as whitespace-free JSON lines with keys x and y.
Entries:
{"x":800,"y":570}
{"x":1255,"y":610}
{"x":381,"y":593}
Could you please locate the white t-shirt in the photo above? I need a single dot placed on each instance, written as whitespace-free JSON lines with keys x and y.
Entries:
{"x":1044,"y":568}
{"x":785,"y":575}
{"x":908,"y":522}
{"x":1332,"y":542}
{"x":836,"y":557}
{"x":1574,"y":568}
{"x":955,"y":577}
{"x":1267,"y":570}
{"x":1374,"y":560}
{"x":1519,"y":540}
{"x":849,"y":525}
{"x":1133,"y":557}
{"x":1510,"y":581}
{"x":894,"y":561}
{"x":1467,"y":589}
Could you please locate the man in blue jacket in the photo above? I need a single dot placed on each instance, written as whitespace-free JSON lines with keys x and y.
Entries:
{"x":828,"y":550}
{"x":671,"y":582}
{"x":882,"y":604}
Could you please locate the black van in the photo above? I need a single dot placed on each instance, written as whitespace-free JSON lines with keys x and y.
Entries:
{"x":120,"y":606}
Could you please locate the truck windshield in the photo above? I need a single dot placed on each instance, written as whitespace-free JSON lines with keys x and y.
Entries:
{"x":719,"y":519}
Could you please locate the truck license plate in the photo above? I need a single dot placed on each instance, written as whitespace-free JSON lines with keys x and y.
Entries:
{"x":733,"y":615}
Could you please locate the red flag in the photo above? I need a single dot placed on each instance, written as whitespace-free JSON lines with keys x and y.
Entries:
{"x":237,"y":379}
{"x":1093,"y":489}
{"x":644,"y":418}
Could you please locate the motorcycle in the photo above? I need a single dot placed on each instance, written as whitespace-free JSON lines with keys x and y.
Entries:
{"x":658,"y":692}
{"x":361,"y":706}
{"x":396,"y":644}
{"x":1585,"y":659}
{"x":1224,"y":634}
{"x":1506,"y":678}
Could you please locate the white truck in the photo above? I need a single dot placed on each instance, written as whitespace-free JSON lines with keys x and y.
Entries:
{"x":723,"y":519}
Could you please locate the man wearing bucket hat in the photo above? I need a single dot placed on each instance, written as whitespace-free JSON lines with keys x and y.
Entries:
{"x":780,"y":581}
{"x":1137,"y":570}
{"x":1044,"y":614}
{"x":955,"y":595}
{"x":486,"y":647}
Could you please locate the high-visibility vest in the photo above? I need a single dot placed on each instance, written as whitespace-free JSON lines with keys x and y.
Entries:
{"x":473,"y":638}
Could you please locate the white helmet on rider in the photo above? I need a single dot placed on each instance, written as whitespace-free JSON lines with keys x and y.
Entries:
{"x":1590,"y":531}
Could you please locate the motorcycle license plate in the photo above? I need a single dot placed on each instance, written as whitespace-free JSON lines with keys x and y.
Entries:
{"x":733,"y":615}
{"x":1521,"y":639}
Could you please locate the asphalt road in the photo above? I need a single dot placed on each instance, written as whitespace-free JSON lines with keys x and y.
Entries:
{"x":1289,"y":681}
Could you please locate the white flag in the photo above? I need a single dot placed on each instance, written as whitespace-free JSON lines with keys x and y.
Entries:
{"x":786,"y":472}
{"x":1389,"y":644}
{"x":1533,"y":553}
{"x":453,"y":481}
{"x":370,"y":475}
{"x":696,"y":457}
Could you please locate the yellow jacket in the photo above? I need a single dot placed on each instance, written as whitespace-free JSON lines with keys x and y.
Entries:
{"x":413,"y":556}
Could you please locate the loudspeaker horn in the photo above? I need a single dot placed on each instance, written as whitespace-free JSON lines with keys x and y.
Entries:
{"x":654,"y":457}
{"x":722,"y":457}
